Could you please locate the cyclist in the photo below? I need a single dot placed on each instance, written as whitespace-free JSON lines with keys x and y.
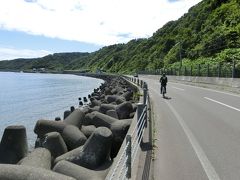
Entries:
{"x":163,"y":80}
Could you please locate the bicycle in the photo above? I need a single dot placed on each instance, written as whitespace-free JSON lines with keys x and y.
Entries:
{"x":163,"y":81}
{"x":163,"y":91}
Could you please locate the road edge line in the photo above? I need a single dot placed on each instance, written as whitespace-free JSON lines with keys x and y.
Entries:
{"x":206,"y":164}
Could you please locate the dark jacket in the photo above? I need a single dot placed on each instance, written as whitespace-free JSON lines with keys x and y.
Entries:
{"x":163,"y":80}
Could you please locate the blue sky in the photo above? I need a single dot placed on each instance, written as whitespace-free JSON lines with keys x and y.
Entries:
{"x":35,"y":28}
{"x":22,"y":40}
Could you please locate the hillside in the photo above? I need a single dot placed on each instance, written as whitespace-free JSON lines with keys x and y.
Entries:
{"x":209,"y":32}
{"x":57,"y":61}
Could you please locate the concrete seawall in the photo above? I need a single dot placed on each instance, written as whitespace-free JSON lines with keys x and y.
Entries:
{"x":231,"y":84}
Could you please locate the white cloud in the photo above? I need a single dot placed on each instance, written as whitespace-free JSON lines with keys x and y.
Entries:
{"x":8,"y":53}
{"x":101,"y":22}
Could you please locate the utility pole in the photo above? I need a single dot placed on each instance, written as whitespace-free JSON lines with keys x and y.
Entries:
{"x":180,"y":52}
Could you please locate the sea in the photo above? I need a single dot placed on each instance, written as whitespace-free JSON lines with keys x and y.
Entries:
{"x":28,"y":97}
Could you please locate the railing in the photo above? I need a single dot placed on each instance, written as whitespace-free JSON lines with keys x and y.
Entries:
{"x":226,"y":70}
{"x":122,"y":168}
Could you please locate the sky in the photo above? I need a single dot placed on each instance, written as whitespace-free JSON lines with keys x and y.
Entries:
{"x":35,"y":28}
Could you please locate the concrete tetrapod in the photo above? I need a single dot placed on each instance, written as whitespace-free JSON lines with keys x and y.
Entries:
{"x":112,"y":113}
{"x":95,"y":96}
{"x":71,"y":134}
{"x":85,"y":109}
{"x":124,"y":109}
{"x":75,"y":118}
{"x":127,"y":95}
{"x":114,"y":91}
{"x":57,"y":119}
{"x":99,"y":119}
{"x":54,"y":142}
{"x":93,"y":153}
{"x":107,"y":91}
{"x":105,"y":107}
{"x":39,"y":158}
{"x":66,"y":114}
{"x":13,"y":145}
{"x":81,"y":173}
{"x":95,"y":108}
{"x":21,"y":172}
{"x":43,"y":127}
{"x":94,"y":102}
{"x":115,"y":98}
{"x":119,"y":128}
{"x":88,"y":130}
{"x":73,"y":137}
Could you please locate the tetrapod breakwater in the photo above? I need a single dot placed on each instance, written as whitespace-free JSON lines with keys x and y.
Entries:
{"x":81,"y":146}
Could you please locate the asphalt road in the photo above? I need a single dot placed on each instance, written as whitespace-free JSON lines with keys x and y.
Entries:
{"x":197,"y":133}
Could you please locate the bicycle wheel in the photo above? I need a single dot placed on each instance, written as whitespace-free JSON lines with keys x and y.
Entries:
{"x":164,"y":91}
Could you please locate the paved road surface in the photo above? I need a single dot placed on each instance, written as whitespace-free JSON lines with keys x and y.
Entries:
{"x":197,"y":132}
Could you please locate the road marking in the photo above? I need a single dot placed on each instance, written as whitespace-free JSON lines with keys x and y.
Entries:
{"x":206,"y":164}
{"x":178,"y":88}
{"x":222,"y":104}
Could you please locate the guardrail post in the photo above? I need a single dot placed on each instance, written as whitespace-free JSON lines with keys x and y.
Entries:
{"x":141,"y":83}
{"x":145,"y":90}
{"x":233,"y":69}
{"x":191,"y":71}
{"x":208,"y":70}
{"x":145,"y":99}
{"x":219,"y":70}
{"x":129,"y":156}
{"x":199,"y":69}
{"x":150,"y":123}
{"x":140,"y":108}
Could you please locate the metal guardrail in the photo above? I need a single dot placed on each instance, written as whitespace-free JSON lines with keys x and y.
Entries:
{"x":122,"y":169}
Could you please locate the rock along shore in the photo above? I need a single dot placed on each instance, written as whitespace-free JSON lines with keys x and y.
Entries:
{"x":82,"y":146}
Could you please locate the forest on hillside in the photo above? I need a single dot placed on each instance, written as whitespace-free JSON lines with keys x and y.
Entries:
{"x":208,"y":34}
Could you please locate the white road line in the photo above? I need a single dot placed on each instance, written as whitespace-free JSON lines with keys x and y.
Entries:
{"x":222,"y":104}
{"x":206,"y":164}
{"x":178,"y":88}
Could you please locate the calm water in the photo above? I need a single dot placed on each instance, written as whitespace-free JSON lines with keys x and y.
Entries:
{"x":27,"y":97}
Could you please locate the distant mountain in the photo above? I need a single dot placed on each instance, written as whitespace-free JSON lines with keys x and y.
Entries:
{"x":209,"y":32}
{"x":57,"y":61}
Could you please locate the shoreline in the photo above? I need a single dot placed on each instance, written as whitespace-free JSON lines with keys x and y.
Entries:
{"x":30,"y":114}
{"x":108,"y":103}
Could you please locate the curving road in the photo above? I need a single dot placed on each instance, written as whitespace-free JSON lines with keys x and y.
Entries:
{"x":197,"y":133}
